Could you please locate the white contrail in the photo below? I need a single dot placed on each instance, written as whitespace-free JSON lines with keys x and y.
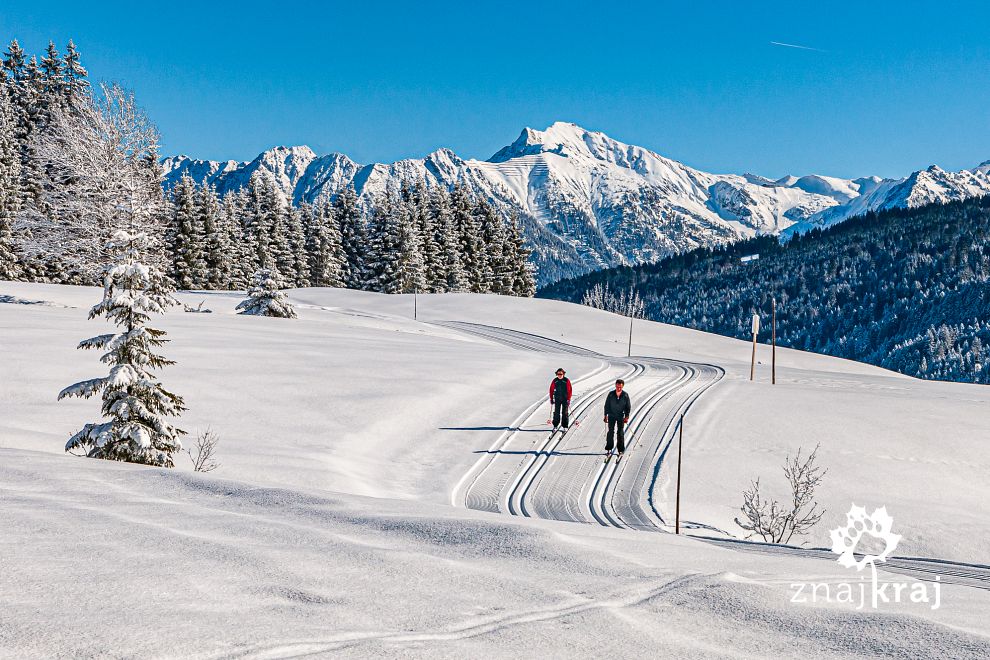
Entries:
{"x":778,"y":43}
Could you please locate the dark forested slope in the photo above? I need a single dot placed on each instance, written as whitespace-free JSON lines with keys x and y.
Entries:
{"x":904,"y":289}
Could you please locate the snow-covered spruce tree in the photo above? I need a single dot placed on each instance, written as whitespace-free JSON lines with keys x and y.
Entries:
{"x":523,"y":283}
{"x":448,"y":241}
{"x":323,"y":247}
{"x":33,"y":115}
{"x":187,"y":236}
{"x":281,"y":245}
{"x":409,"y":272}
{"x":353,"y":238}
{"x":434,"y":280}
{"x":243,"y":255}
{"x":297,"y":244}
{"x":469,"y":239}
{"x":10,"y":174}
{"x":260,"y":217}
{"x":492,"y":228}
{"x":216,"y":248}
{"x":383,"y":247}
{"x":134,"y":401}
{"x":53,"y":77}
{"x":76,"y":86}
{"x":24,"y":90}
{"x":265,"y":297}
{"x":14,"y":60}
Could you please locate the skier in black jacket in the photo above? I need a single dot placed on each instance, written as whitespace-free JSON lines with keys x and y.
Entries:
{"x":617,"y":409}
{"x":560,"y":398}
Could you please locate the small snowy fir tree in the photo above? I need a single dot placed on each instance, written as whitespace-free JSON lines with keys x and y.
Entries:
{"x":133,"y":399}
{"x":265,"y":298}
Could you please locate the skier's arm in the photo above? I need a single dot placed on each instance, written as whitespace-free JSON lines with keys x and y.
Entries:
{"x":553,"y":384}
{"x":628,"y":407}
{"x":568,"y":390}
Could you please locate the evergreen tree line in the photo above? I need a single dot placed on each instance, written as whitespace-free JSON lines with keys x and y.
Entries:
{"x":427,"y":240}
{"x":31,"y":92}
{"x":419,"y":239}
{"x":905,"y":289}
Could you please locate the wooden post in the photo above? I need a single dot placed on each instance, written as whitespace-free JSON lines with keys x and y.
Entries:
{"x":680,"y":444}
{"x":773,"y":341}
{"x":629,"y":351}
{"x":415,"y":303}
{"x":756,"y":330}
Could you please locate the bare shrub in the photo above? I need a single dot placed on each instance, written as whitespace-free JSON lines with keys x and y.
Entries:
{"x":203,"y":452}
{"x":777,"y":522}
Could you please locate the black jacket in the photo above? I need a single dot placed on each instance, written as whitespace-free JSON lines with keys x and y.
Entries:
{"x":560,"y":390}
{"x":617,"y":407}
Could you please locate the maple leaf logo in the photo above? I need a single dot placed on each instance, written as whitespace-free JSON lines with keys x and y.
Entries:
{"x":878,"y":525}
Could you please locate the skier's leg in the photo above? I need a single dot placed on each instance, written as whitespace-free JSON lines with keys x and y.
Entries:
{"x":564,"y":419}
{"x":556,"y":414}
{"x":621,"y":435}
{"x":609,"y":435}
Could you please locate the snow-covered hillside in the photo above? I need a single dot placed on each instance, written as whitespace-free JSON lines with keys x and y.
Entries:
{"x":588,"y":201}
{"x":347,"y":434}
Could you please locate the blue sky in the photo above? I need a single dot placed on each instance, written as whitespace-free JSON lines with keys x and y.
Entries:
{"x":892,"y":87}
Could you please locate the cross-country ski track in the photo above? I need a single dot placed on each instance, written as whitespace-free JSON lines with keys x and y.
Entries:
{"x":562,"y":476}
{"x":530,"y":471}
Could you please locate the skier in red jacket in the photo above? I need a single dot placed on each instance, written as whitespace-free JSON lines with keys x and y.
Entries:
{"x":560,"y":398}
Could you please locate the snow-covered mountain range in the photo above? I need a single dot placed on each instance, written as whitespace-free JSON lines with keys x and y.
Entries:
{"x":588,"y":201}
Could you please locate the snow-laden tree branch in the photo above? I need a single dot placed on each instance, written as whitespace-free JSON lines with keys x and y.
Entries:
{"x":99,"y":160}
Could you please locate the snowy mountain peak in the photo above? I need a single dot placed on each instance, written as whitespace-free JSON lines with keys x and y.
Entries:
{"x":587,"y":201}
{"x":568,"y":140}
{"x":286,"y":163}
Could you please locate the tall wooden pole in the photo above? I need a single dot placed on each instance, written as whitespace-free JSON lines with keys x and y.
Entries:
{"x":773,"y":340}
{"x":756,"y":329}
{"x":680,"y":444}
{"x":415,"y":303}
{"x":629,"y":351}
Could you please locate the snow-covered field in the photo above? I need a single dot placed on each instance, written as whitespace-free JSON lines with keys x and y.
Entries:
{"x":347,"y":435}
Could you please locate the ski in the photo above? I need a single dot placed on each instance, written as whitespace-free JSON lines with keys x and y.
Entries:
{"x":608,"y":455}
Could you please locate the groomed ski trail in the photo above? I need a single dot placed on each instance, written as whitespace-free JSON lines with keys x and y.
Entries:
{"x":561,"y":476}
{"x":564,"y":477}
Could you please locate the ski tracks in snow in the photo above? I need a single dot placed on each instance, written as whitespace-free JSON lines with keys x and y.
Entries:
{"x":562,"y":476}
